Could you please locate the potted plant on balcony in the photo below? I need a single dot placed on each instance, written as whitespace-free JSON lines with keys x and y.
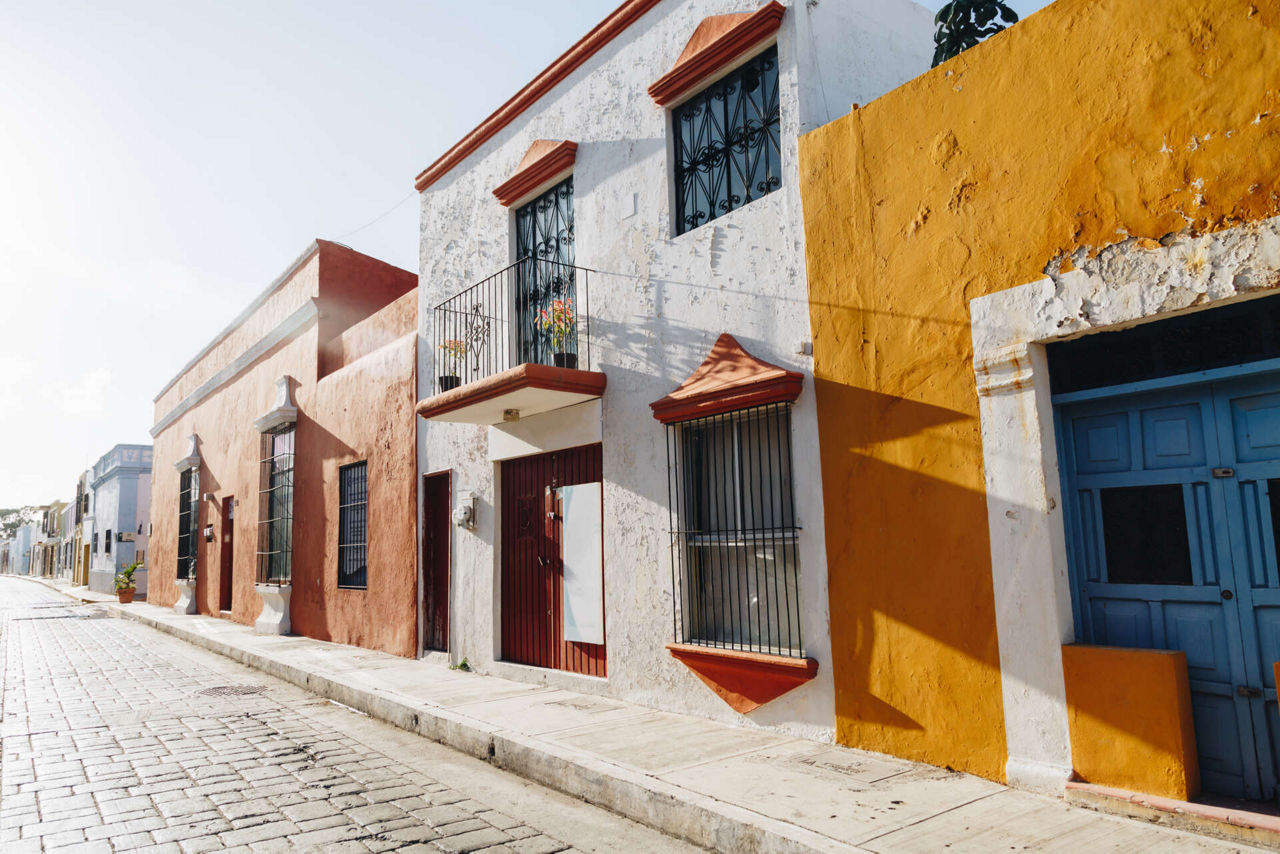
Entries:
{"x":452,"y":351}
{"x":124,"y":583}
{"x":559,"y":322}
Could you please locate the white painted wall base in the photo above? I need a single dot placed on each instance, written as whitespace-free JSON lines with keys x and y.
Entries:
{"x":1125,"y":284}
{"x":102,"y":581}
{"x":274,"y":619}
{"x":186,"y":603}
{"x":1047,"y":778}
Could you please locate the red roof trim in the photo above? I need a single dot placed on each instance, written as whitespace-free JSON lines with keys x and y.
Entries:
{"x":729,"y":379}
{"x":513,"y":379}
{"x":568,"y":62}
{"x":698,"y":63}
{"x":544,"y":160}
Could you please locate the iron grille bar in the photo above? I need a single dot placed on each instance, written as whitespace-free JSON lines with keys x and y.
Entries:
{"x":734,"y":540}
{"x":188,"y":522}
{"x":494,"y":324}
{"x":275,"y":508}
{"x":728,"y":143}
{"x":353,"y":525}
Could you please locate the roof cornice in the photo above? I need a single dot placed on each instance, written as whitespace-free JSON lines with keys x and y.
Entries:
{"x":568,"y":62}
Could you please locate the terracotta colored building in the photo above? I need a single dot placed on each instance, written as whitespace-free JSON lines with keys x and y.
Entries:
{"x":283,"y":478}
{"x":1046,"y":349}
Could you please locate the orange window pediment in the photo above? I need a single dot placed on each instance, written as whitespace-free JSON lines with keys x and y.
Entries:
{"x":546,"y":159}
{"x":729,"y":378}
{"x":717,"y":42}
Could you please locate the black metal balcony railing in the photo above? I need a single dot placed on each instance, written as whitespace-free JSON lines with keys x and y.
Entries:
{"x":533,"y":312}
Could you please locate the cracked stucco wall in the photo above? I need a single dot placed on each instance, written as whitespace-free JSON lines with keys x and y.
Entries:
{"x":1091,"y":124}
{"x":657,"y":303}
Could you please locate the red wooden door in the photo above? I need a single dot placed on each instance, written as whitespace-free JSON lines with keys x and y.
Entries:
{"x":228,"y":556}
{"x":532,"y":570}
{"x":436,"y":500}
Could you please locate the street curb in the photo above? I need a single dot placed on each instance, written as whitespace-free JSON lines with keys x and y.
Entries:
{"x":671,"y":809}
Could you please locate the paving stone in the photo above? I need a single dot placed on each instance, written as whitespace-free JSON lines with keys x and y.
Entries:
{"x":133,"y":760}
{"x":474,"y":840}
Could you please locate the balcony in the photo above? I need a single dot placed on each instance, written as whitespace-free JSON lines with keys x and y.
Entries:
{"x":513,"y":345}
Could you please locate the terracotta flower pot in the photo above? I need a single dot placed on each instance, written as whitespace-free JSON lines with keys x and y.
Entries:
{"x":125,"y":596}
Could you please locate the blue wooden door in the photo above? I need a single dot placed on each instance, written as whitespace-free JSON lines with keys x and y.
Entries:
{"x":1171,"y":545}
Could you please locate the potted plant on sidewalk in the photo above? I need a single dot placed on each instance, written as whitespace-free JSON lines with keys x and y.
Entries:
{"x":453,"y":350}
{"x":124,"y":583}
{"x":559,"y":322}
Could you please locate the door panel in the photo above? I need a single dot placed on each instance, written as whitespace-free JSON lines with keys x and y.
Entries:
{"x":437,"y":499}
{"x":228,"y":554}
{"x":532,"y":560}
{"x":1155,"y":561}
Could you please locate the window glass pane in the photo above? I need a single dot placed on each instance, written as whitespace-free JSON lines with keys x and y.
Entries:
{"x":275,"y":508}
{"x":1145,"y":528}
{"x":727,"y":143}
{"x":737,"y":543}
{"x":352,"y":525}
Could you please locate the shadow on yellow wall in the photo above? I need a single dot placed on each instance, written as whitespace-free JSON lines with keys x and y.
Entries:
{"x":1088,"y":123}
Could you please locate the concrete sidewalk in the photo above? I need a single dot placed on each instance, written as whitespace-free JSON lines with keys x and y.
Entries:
{"x":721,"y":787}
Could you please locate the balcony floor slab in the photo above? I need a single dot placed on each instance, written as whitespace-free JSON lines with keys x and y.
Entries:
{"x":524,"y":390}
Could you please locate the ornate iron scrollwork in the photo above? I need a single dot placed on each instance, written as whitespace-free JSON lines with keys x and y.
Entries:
{"x":727,"y":144}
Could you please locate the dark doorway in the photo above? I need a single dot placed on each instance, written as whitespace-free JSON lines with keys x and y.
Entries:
{"x":228,"y":553}
{"x":533,"y":560}
{"x":437,"y":493}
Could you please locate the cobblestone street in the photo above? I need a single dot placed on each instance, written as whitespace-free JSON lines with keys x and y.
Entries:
{"x":117,"y":737}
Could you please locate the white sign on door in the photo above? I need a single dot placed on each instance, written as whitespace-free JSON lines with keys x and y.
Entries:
{"x":582,"y":542}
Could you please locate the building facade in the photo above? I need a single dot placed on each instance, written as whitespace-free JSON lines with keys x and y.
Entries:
{"x":613,"y":367}
{"x":66,"y":548}
{"x":284,"y":467}
{"x":1047,"y":337}
{"x":21,"y":548}
{"x":121,"y":483}
{"x":82,"y":536}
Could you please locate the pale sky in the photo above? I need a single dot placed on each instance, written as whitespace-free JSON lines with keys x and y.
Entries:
{"x":162,"y":161}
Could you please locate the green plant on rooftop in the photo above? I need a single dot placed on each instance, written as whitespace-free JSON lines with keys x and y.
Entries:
{"x":961,"y":24}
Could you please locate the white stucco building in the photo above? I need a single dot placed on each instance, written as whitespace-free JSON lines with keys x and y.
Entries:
{"x":650,"y":176}
{"x":121,"y":504}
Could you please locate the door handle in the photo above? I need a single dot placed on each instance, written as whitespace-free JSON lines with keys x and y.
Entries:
{"x":1248,"y":691}
{"x":1227,"y":594}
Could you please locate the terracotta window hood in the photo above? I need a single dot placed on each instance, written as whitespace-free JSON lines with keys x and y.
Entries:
{"x":546,"y":159}
{"x":744,"y":680}
{"x":716,"y":43}
{"x":730,"y":378}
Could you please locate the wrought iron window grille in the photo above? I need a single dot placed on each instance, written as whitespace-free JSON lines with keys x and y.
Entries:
{"x":188,"y":521}
{"x":728,"y":150}
{"x":353,"y":526}
{"x":275,"y":503}
{"x":734,"y":539}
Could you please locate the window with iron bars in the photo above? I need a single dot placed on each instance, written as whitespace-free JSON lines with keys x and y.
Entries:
{"x":275,"y":508}
{"x":353,"y":525}
{"x":728,"y":151}
{"x":735,"y":557}
{"x":188,"y":521}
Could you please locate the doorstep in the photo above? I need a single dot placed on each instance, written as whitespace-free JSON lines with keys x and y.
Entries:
{"x":1231,"y":823}
{"x":728,"y":788}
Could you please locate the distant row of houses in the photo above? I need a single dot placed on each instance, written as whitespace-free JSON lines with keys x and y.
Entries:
{"x":945,"y":428}
{"x":101,"y":530}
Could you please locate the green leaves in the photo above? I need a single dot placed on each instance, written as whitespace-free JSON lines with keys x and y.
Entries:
{"x":961,"y":24}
